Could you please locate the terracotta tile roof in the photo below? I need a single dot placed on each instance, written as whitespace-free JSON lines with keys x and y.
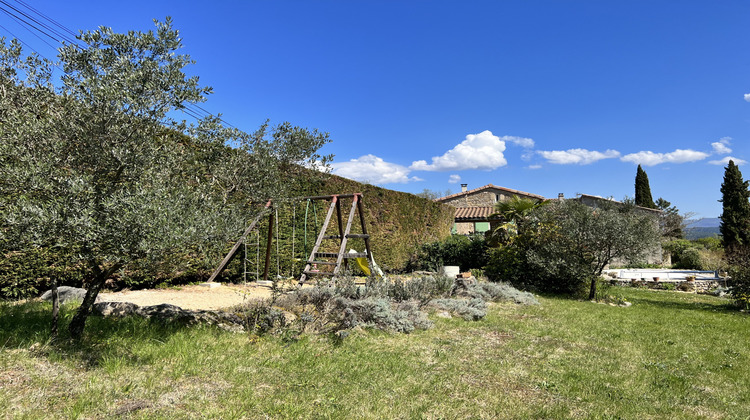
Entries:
{"x":487,"y":187}
{"x":473,"y":213}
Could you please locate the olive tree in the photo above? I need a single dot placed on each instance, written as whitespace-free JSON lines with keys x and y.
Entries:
{"x":563,"y":246}
{"x":578,"y":241}
{"x":96,"y":165}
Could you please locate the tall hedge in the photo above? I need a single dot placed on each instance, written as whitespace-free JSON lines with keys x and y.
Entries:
{"x":399,"y":223}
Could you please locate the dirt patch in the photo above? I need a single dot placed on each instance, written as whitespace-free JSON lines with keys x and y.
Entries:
{"x":191,"y":297}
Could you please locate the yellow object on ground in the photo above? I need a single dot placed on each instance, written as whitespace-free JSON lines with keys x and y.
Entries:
{"x":362,"y":264}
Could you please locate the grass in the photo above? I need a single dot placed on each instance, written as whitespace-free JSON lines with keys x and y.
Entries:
{"x":670,"y":355}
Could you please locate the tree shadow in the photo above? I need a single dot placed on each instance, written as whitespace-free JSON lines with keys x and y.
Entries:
{"x":672,"y":301}
{"x":26,"y":326}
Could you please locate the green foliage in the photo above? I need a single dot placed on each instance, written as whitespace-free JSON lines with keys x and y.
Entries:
{"x":735,"y":215}
{"x":697,"y":254}
{"x":607,"y":293}
{"x":711,"y":243}
{"x":260,"y":317}
{"x":690,"y":259}
{"x":467,"y":252}
{"x":513,"y":212}
{"x":96,"y":167}
{"x":643,"y":190}
{"x":566,"y":245}
{"x":26,"y":274}
{"x":670,"y":221}
{"x":468,"y":309}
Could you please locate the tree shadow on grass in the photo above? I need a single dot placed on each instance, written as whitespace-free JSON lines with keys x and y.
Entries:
{"x":686,"y":301}
{"x":27,"y":326}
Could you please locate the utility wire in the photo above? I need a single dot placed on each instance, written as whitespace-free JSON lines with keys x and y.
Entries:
{"x":26,"y":26}
{"x":57,"y":36}
{"x":29,"y":22}
{"x":54,"y":22}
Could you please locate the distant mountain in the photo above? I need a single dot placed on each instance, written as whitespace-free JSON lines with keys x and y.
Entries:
{"x":701,"y":232}
{"x":702,"y":228}
{"x":706,"y":222}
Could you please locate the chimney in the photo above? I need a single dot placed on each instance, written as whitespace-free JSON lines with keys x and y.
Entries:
{"x":561,"y":196}
{"x":463,"y":187}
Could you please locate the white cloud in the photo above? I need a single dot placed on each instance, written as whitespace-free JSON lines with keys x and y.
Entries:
{"x":721,"y":147}
{"x":454,"y":179}
{"x":524,"y":142}
{"x":649,"y":158}
{"x":479,"y":151}
{"x":725,"y":161}
{"x":747,"y":97}
{"x":372,"y":169}
{"x":535,"y":166}
{"x":577,"y":156}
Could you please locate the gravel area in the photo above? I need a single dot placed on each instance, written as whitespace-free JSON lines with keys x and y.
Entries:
{"x":191,"y":297}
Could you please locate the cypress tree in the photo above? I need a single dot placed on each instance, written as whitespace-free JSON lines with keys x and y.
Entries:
{"x":735,"y":215}
{"x":643,"y":190}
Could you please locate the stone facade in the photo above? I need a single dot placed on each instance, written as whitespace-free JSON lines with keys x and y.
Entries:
{"x":655,"y":256}
{"x":485,"y":196}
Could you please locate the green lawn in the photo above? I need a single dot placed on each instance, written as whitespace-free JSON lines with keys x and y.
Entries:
{"x":670,"y":355}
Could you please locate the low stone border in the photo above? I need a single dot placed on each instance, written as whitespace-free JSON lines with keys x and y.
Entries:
{"x":171,"y":313}
{"x":698,"y":286}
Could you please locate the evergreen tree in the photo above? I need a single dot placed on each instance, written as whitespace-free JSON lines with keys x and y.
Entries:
{"x":735,"y":215}
{"x":643,"y":190}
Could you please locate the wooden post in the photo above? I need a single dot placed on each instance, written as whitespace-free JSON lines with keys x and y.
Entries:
{"x":268,"y":246}
{"x":239,"y":243}
{"x":341,"y":229}
{"x":360,"y":208}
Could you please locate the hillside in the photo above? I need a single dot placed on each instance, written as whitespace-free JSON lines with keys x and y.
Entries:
{"x":702,"y":228}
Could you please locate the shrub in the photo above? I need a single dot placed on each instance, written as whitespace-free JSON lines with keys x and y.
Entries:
{"x":260,"y":317}
{"x":467,"y":252}
{"x":499,"y":292}
{"x":690,"y":258}
{"x":606,"y":292}
{"x":26,"y":274}
{"x":469,"y":309}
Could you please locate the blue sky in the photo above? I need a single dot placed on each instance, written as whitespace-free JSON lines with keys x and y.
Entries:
{"x":542,"y":96}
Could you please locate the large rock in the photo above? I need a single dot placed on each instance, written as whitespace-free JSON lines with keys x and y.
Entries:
{"x":66,"y":293}
{"x":172,"y":313}
{"x":115,"y":308}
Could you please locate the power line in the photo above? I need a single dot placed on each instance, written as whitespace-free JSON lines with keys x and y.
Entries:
{"x":29,"y":22}
{"x":26,"y":25}
{"x":54,"y":22}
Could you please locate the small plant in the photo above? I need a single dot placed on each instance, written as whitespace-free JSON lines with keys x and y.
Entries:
{"x":260,"y":317}
{"x":669,"y":286}
{"x":607,"y":293}
{"x":469,"y":309}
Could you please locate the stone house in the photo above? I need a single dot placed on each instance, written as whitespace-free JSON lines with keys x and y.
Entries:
{"x":473,"y":207}
{"x":656,"y":255}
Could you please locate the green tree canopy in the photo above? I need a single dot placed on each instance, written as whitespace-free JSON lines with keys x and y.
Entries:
{"x":643,"y":190}
{"x":96,"y":165}
{"x":735,"y":215}
{"x":670,"y":221}
{"x":565,"y":245}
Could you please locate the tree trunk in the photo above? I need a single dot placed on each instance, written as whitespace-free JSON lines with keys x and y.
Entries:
{"x":592,"y":291}
{"x":78,"y":323}
{"x":55,"y":311}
